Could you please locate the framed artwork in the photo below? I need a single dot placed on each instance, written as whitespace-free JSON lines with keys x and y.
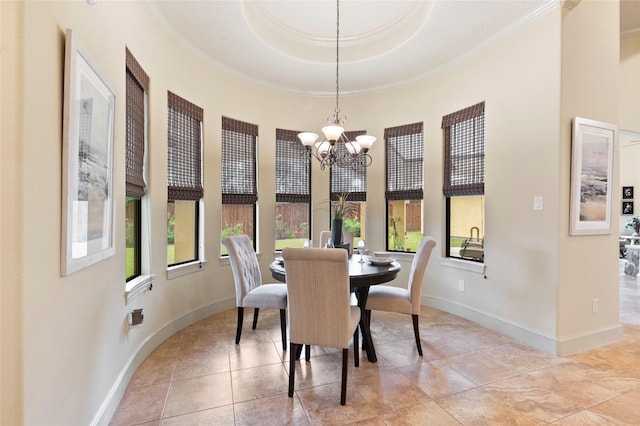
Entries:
{"x":87,"y":161}
{"x":627,"y":192}
{"x":591,"y":177}
{"x":627,"y":207}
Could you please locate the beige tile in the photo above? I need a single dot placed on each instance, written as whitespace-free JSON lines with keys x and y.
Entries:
{"x":481,"y":367}
{"x":583,"y":418}
{"x":153,"y":370}
{"x":480,"y":407}
{"x":436,"y":379}
{"x":319,"y":370}
{"x":253,"y":355}
{"x":428,"y":413}
{"x":198,"y":393}
{"x":140,"y":405}
{"x":213,"y":416}
{"x":201,"y":363}
{"x":623,"y":409}
{"x":259,"y":382}
{"x":272,"y":410}
{"x":367,"y":397}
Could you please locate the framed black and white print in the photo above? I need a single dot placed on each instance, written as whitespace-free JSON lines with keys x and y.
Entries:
{"x":627,"y":207}
{"x":627,"y":192}
{"x":87,"y":162}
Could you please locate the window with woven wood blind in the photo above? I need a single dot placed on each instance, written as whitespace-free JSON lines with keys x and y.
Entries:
{"x":464,"y":151}
{"x":184,"y":178}
{"x":352,"y":181}
{"x":404,"y":152}
{"x":293,"y":191}
{"x":239,"y":178}
{"x":464,"y":168}
{"x":137,"y":85}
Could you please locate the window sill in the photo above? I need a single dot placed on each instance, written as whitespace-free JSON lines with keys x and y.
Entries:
{"x":465,"y":265}
{"x":138,"y":286}
{"x":185,"y":269}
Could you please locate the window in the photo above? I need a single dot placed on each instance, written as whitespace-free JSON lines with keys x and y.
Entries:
{"x":293,"y":191}
{"x":184,"y":177}
{"x":464,"y":182}
{"x":404,"y":148}
{"x":347,"y":180}
{"x":239,"y":179}
{"x":136,"y":92}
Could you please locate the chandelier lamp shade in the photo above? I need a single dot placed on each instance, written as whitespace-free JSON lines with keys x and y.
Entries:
{"x":327,"y":151}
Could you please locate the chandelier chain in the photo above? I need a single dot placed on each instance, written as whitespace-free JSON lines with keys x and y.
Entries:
{"x":337,"y":110}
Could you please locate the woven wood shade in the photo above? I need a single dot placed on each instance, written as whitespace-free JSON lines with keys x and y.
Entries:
{"x":137,"y":84}
{"x":464,"y":151}
{"x":404,"y":151}
{"x":239,"y":143}
{"x":346,"y":179}
{"x":184,"y":150}
{"x":293,"y":176}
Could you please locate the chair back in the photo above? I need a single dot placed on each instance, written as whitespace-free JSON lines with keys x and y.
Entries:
{"x":245,"y":266}
{"x":416,"y":274}
{"x":318,"y":296}
{"x":347,"y":237}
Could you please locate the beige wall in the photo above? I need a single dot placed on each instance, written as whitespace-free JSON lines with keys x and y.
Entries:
{"x":74,"y":330}
{"x":11,"y":219}
{"x":590,"y":89}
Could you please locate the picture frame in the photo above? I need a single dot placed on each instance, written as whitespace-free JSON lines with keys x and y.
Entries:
{"x":87,"y":233}
{"x":591,"y":177}
{"x":627,"y":208}
{"x":627,"y":192}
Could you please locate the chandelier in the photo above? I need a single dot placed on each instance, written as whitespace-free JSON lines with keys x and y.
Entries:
{"x":355,"y":154}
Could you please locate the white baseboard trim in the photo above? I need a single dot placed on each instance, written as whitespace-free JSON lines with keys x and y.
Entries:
{"x":113,"y":398}
{"x":555,"y":346}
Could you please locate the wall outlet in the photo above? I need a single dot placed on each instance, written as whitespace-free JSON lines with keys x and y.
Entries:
{"x":594,"y":306}
{"x":538,"y":202}
{"x":461,"y":285}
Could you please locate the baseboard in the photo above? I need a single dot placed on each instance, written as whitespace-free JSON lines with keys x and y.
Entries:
{"x":111,"y":402}
{"x":555,"y":346}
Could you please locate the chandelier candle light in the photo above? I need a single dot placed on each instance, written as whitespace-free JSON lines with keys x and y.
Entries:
{"x":326,"y":151}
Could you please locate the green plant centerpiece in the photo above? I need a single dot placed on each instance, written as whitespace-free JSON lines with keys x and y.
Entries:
{"x":340,"y":210}
{"x":633,"y":223}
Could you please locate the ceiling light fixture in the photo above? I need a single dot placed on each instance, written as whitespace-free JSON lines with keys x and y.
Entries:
{"x":326,"y":151}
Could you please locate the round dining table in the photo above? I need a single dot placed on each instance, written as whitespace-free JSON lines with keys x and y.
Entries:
{"x":362,"y":275}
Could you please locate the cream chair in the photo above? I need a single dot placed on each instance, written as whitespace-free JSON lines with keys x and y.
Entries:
{"x":320,"y":313}
{"x":250,"y":292}
{"x":347,"y":237}
{"x":404,"y":301}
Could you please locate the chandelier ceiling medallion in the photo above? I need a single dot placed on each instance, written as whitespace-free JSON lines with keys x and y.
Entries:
{"x":326,"y":151}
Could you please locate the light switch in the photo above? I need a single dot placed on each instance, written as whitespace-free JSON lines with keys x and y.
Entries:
{"x":538,"y":204}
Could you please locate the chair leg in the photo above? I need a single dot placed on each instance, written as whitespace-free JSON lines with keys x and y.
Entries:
{"x":255,"y":318}
{"x":356,"y":349}
{"x":416,"y":331}
{"x":345,"y":362}
{"x":293,"y":348}
{"x":239,"y":329}
{"x":283,"y":327}
{"x":307,"y":352}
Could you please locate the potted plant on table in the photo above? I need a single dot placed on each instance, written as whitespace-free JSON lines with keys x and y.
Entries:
{"x":340,"y":209}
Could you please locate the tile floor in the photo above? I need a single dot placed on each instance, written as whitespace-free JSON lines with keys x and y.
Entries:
{"x":468,"y":375}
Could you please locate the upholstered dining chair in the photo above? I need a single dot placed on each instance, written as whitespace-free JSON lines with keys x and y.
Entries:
{"x":347,"y":237}
{"x":320,"y":313}
{"x":250,"y":291}
{"x":403,"y":300}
